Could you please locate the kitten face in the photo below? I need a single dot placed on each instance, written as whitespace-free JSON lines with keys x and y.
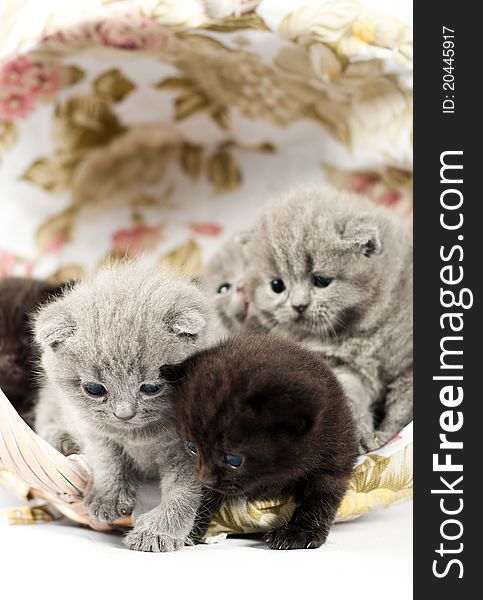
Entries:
{"x":246,"y":456}
{"x":102,"y":344}
{"x":18,"y":298}
{"x":250,"y":412}
{"x":318,"y":263}
{"x":224,"y":281}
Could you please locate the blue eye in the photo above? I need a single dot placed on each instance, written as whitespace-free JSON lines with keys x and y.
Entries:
{"x":233,"y":460}
{"x":192,"y":447}
{"x":94,"y":389}
{"x":150,"y":388}
{"x":224,"y":287}
{"x":277,"y":286}
{"x":321,"y":281}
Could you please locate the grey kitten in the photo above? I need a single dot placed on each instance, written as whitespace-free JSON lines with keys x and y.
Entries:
{"x":223,"y":280}
{"x":102,"y":347}
{"x":334,"y":271}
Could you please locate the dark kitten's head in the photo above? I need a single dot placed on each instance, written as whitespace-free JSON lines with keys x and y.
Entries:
{"x":257,"y":412}
{"x":19,"y":297}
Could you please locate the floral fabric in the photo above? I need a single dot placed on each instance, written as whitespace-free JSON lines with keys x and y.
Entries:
{"x":141,"y":127}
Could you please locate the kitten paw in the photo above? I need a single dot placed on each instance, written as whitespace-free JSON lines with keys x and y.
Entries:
{"x":372,"y":441}
{"x":147,"y":541}
{"x":107,"y":507}
{"x":293,"y":538}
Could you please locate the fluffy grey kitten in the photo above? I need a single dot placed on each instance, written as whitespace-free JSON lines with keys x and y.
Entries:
{"x":102,"y":345}
{"x":223,"y":280}
{"x":334,"y":271}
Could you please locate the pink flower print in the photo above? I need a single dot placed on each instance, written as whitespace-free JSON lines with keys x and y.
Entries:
{"x":362,"y":183}
{"x":7,"y":264}
{"x":130,"y":33}
{"x":390,"y":198}
{"x":56,"y":243}
{"x":47,"y":83}
{"x":15,"y":105}
{"x":23,"y":80}
{"x":12,"y":72}
{"x":130,"y":242}
{"x":206,"y":228}
{"x":121,"y":34}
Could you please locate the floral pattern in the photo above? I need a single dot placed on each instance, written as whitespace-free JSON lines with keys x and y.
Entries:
{"x":141,"y":128}
{"x":27,"y":80}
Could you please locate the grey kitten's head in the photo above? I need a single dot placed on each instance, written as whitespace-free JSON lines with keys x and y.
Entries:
{"x":104,"y":341}
{"x":322,"y":262}
{"x":223,"y":279}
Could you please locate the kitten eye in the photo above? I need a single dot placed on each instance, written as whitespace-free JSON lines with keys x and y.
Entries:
{"x":224,"y":287}
{"x":192,"y":448}
{"x":233,"y":460}
{"x":277,"y":286}
{"x":150,"y":388}
{"x":321,"y":281}
{"x":94,"y":389}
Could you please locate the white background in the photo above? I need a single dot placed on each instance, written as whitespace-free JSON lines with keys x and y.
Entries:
{"x":366,"y":559}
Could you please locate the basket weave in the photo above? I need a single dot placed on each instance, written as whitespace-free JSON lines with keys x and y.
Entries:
{"x":61,"y":481}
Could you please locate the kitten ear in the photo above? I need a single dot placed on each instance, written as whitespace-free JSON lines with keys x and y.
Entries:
{"x":242,"y":238}
{"x":362,"y":234}
{"x":53,"y":325}
{"x":174,"y":374}
{"x":296,"y":424}
{"x":189,"y":323}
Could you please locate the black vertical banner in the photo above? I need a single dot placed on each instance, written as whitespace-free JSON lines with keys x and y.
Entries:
{"x":448,"y":268}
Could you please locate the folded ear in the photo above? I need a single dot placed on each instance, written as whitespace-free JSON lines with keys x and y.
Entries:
{"x":174,"y":374}
{"x":189,"y":323}
{"x":362,"y":235}
{"x":53,"y":325}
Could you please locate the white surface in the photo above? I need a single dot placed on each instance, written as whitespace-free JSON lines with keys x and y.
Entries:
{"x":364,"y":559}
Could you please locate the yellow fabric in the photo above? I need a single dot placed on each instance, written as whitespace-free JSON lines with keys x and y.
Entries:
{"x":379,"y":481}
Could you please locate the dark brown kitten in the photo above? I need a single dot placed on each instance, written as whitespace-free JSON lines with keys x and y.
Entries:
{"x":19,"y":297}
{"x":264,"y":417}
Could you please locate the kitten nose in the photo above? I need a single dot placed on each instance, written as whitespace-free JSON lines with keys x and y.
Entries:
{"x":207,"y":477}
{"x":240,"y":289}
{"x":124,"y":414}
{"x":209,"y":482}
{"x":300,"y":308}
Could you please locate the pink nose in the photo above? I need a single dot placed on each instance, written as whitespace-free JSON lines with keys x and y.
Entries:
{"x":240,"y":289}
{"x":300,"y":308}
{"x":125,"y":415}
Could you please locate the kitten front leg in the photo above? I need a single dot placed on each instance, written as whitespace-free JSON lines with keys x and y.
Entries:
{"x":398,"y":407}
{"x":167,"y":527}
{"x":113,"y":492}
{"x":318,"y":498}
{"x":48,"y":423}
{"x":209,"y":506}
{"x":361,"y":398}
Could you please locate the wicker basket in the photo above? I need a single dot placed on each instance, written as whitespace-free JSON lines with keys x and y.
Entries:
{"x":143,"y":126}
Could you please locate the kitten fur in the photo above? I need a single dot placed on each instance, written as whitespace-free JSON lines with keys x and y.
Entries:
{"x":116,"y":328}
{"x":280,"y":407}
{"x":19,"y":297}
{"x":362,"y":320}
{"x":223,"y":281}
